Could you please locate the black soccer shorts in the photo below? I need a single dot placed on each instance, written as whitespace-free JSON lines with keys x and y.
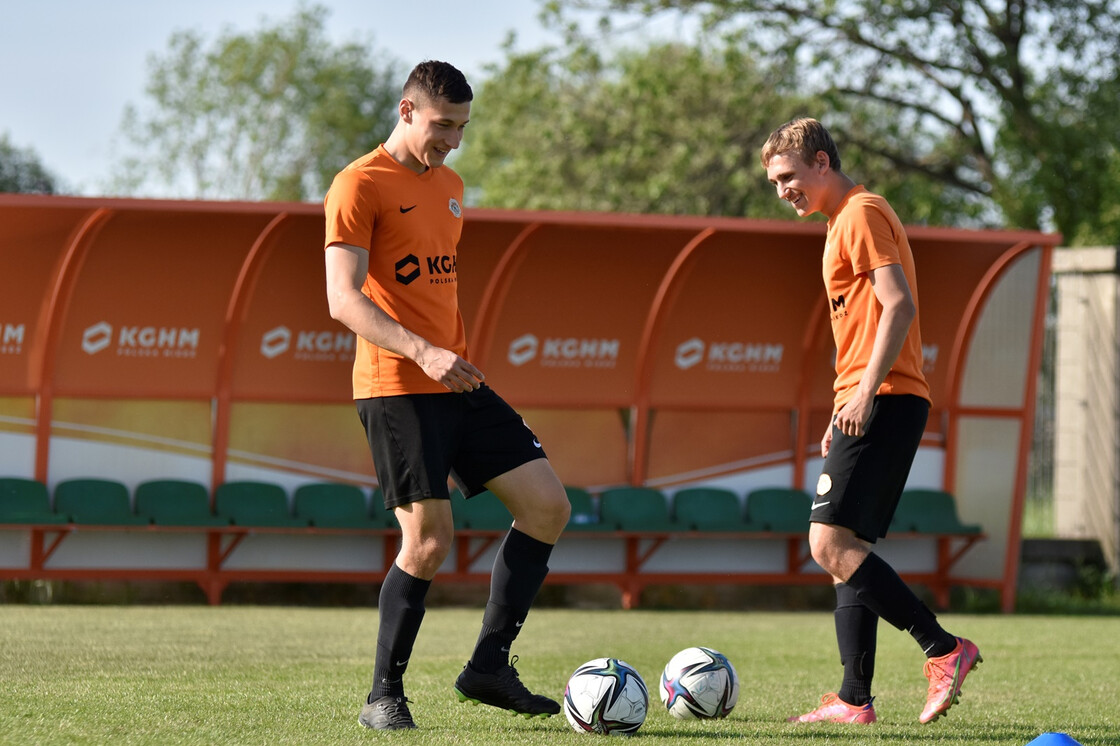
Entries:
{"x":419,"y":440}
{"x":863,"y":477}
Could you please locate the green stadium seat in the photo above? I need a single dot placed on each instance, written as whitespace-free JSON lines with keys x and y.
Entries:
{"x":930,"y":512}
{"x":782,"y":509}
{"x":635,"y":509}
{"x":176,"y":502}
{"x":382,"y":517}
{"x":332,"y":505}
{"x":483,"y":512}
{"x":584,"y":517}
{"x":249,"y":503}
{"x":709,"y":509}
{"x":102,"y":502}
{"x":26,"y":501}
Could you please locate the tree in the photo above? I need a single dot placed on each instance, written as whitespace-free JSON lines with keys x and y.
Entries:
{"x":270,"y":115}
{"x":21,"y":171}
{"x":667,"y":129}
{"x":1009,"y":102}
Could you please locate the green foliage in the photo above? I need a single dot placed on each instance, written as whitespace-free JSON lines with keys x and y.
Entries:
{"x":270,"y":115}
{"x":1006,"y":107}
{"x":665,"y":129}
{"x":21,"y":171}
{"x":242,"y":675}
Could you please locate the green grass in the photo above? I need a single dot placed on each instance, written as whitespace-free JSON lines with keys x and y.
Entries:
{"x":255,"y":675}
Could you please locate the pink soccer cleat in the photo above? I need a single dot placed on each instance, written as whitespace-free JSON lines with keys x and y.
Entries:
{"x":946,"y":674}
{"x":835,"y":710}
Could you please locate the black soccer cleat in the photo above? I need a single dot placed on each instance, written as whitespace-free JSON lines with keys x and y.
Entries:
{"x":502,"y":689}
{"x":387,"y":713}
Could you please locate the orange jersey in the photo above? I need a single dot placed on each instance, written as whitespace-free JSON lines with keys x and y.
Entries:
{"x":864,"y":233}
{"x":410,"y":223}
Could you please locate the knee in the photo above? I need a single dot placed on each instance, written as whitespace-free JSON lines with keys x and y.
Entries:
{"x":559,"y":509}
{"x":837,"y":550}
{"x":545,"y":517}
{"x":552,"y":510}
{"x":825,"y":550}
{"x":423,"y":555}
{"x":819,"y":552}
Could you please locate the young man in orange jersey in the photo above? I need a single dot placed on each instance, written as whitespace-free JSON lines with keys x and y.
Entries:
{"x":393,"y":220}
{"x":881,"y":405}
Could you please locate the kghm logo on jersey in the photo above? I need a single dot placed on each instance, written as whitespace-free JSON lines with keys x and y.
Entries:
{"x":730,"y":357}
{"x":441,"y":269}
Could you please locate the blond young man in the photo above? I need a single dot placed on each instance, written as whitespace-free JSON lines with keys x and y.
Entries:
{"x":880,"y":410}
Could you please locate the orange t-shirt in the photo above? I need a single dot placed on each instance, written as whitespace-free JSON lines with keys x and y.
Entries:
{"x":410,"y":223}
{"x":864,"y":233}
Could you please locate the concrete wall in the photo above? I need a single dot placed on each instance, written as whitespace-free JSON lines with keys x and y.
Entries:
{"x":1087,"y":409}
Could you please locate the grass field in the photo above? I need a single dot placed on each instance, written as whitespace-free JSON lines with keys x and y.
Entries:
{"x":268,"y":675}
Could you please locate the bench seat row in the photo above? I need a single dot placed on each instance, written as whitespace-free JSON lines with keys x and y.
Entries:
{"x":173,"y":502}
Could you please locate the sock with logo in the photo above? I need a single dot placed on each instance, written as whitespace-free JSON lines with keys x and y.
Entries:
{"x":519,"y":571}
{"x":856,"y":628}
{"x":400,"y":607}
{"x":880,"y":588}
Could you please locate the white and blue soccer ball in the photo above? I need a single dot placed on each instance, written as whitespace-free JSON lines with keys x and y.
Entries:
{"x":606,"y":696}
{"x":699,"y":684}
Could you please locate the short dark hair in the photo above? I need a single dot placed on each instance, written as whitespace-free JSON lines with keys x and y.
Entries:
{"x":804,"y":137}
{"x":431,"y":80}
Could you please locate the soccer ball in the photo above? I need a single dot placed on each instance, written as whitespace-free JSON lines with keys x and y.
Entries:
{"x":699,"y":683}
{"x":606,"y":696}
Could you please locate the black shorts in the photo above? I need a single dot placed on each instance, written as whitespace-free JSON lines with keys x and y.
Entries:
{"x":863,"y":477}
{"x":419,"y":440}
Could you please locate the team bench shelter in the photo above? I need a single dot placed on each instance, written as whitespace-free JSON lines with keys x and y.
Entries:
{"x":157,"y":342}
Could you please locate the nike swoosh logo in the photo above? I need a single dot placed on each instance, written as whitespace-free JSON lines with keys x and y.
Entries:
{"x":401,"y":663}
{"x":518,"y":624}
{"x":406,"y":209}
{"x":819,"y":505}
{"x":536,"y":443}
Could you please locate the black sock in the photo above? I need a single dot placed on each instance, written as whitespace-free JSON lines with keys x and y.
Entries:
{"x":881,"y":590}
{"x":519,"y":570}
{"x":856,"y":627}
{"x":400,"y":608}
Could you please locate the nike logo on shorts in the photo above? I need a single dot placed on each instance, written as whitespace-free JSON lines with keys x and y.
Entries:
{"x":406,"y":209}
{"x":819,"y":505}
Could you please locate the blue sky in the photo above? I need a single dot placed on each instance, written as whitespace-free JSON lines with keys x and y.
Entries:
{"x":69,"y":67}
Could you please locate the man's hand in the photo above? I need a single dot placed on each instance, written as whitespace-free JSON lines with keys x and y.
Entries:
{"x":452,"y":371}
{"x":853,"y":416}
{"x":850,"y":420}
